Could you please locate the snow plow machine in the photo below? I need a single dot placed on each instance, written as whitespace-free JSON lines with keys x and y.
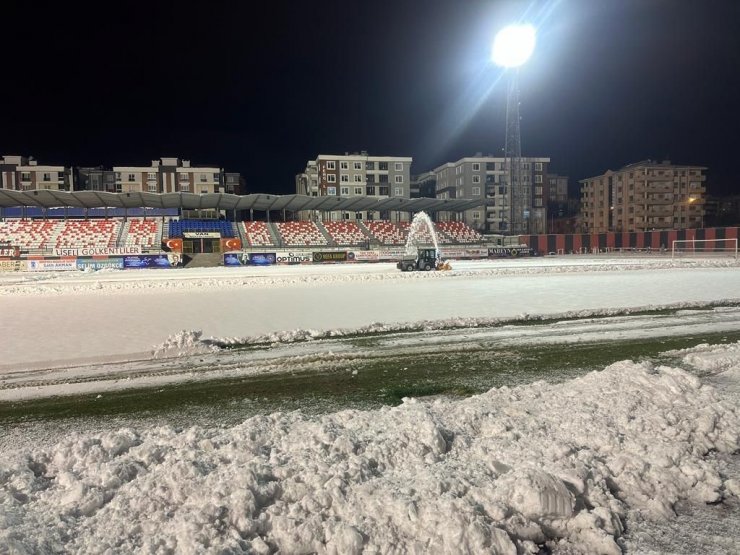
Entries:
{"x":425,"y":260}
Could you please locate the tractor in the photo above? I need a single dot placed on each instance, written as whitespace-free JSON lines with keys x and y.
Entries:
{"x":425,"y":260}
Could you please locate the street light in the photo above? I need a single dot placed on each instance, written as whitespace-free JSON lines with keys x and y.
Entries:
{"x":690,"y":201}
{"x":512,"y":47}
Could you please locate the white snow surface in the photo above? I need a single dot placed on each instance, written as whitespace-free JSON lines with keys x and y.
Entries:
{"x":567,"y":465}
{"x":497,"y":472}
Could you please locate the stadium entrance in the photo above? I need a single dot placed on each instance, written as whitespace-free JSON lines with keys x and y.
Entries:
{"x":196,"y":242}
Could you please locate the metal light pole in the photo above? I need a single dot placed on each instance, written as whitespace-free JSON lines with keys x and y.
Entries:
{"x":512,"y":47}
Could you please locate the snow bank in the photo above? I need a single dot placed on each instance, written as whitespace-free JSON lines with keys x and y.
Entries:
{"x":510,"y":469}
{"x":184,"y":343}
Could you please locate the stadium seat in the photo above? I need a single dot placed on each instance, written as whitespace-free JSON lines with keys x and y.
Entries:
{"x":257,"y":234}
{"x":346,"y":233}
{"x":300,"y":234}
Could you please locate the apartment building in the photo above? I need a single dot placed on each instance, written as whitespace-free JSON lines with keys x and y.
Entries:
{"x":644,"y":196}
{"x":356,"y":174}
{"x":486,"y":178}
{"x":22,"y":173}
{"x":169,"y":175}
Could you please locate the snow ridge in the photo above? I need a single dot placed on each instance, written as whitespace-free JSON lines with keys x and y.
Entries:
{"x":501,"y":472}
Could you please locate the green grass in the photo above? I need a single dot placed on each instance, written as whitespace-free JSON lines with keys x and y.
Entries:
{"x":362,"y":383}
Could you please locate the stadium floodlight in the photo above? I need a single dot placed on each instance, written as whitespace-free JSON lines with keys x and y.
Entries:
{"x":513,"y":45}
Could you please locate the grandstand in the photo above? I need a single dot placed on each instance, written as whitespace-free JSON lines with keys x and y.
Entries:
{"x":40,"y":236}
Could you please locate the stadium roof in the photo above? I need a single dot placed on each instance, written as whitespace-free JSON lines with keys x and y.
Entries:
{"x":46,"y":198}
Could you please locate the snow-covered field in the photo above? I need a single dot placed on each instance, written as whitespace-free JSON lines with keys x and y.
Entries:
{"x":597,"y":464}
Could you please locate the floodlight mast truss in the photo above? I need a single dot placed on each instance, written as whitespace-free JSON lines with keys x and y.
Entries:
{"x":518,"y":189}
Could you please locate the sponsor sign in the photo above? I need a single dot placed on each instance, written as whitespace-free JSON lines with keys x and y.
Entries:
{"x":233,"y":259}
{"x":51,"y":265}
{"x":249,"y":258}
{"x":391,"y":254}
{"x":293,"y":257}
{"x":504,"y":252}
{"x":93,"y":264}
{"x":201,"y":235}
{"x":330,"y":256}
{"x":169,"y":260}
{"x":12,"y":265}
{"x":260,"y":258}
{"x":9,"y":252}
{"x":364,"y":256}
{"x":98,"y":251}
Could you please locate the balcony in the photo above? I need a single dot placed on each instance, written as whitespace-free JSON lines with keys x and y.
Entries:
{"x":650,"y":187}
{"x":651,"y":201}
{"x":658,"y":210}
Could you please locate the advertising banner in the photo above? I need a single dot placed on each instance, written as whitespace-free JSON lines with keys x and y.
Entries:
{"x":390,"y":254}
{"x":364,"y":256}
{"x":293,"y":257}
{"x":260,"y":258}
{"x":169,"y":260}
{"x":97,"y":251}
{"x":330,"y":256}
{"x":12,"y":265}
{"x":506,"y":252}
{"x":99,"y":264}
{"x":233,"y":259}
{"x":7,"y":251}
{"x":461,"y":252}
{"x":249,"y":258}
{"x":51,"y":265}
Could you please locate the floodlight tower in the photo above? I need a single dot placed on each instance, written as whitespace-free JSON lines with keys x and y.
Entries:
{"x":512,"y":47}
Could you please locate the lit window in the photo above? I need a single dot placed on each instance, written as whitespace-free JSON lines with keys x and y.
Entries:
{"x":331,"y":191}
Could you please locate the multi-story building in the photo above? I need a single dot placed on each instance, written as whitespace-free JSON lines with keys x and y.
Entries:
{"x":560,"y":208}
{"x":644,"y":196}
{"x":424,"y":185}
{"x":352,"y":175}
{"x":95,"y":179}
{"x":168,"y":175}
{"x":25,"y":174}
{"x":486,"y":178}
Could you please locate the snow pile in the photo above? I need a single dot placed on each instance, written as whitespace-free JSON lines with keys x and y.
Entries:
{"x":504,"y":471}
{"x":184,"y":343}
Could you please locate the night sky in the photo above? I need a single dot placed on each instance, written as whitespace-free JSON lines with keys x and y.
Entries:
{"x":262,"y":87}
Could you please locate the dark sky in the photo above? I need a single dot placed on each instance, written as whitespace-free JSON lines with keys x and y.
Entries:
{"x":262,"y":87}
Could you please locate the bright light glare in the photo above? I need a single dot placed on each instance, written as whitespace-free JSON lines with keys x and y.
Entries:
{"x":513,"y":45}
